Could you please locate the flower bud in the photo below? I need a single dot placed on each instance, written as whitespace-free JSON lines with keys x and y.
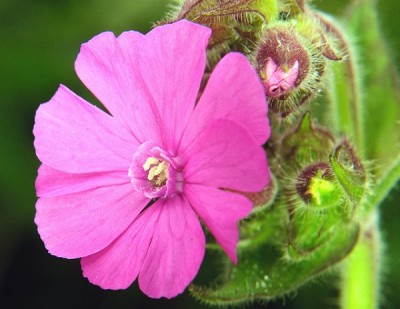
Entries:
{"x":280,"y":79}
{"x":290,"y":65}
{"x":235,"y":25}
{"x":307,"y":143}
{"x":323,"y":182}
{"x":322,"y":210}
{"x":282,"y":54}
{"x":208,"y":9}
{"x":315,"y":185}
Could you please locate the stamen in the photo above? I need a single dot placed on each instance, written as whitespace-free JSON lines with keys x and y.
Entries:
{"x":155,"y":172}
{"x":158,"y":171}
{"x":150,"y":162}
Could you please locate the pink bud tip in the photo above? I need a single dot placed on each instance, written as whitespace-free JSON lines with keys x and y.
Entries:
{"x":279,"y":81}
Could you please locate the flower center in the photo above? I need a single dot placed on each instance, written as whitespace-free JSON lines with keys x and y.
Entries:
{"x":158,"y":171}
{"x":155,"y":172}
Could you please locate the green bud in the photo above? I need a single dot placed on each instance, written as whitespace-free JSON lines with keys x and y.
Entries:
{"x":306,"y":143}
{"x":323,"y":182}
{"x":316,"y":186}
{"x":208,"y":9}
{"x":330,"y":193}
{"x":314,"y":218}
{"x":235,"y":25}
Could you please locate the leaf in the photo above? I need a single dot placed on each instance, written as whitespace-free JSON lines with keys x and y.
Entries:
{"x":263,"y":274}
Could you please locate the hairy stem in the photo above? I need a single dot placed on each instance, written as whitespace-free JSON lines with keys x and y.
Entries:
{"x":380,"y":102}
{"x":360,"y":272}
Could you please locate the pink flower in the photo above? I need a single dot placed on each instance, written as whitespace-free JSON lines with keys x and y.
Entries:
{"x":124,"y":192}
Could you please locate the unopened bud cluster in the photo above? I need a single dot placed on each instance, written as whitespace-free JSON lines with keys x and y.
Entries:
{"x":322,"y":180}
{"x":289,"y":44}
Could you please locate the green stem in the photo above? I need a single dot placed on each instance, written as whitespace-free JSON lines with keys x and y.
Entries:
{"x":380,"y":101}
{"x":360,"y":273}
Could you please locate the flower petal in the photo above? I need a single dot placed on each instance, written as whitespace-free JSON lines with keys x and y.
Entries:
{"x":118,"y":265}
{"x":165,"y":246}
{"x":51,"y":182}
{"x":220,"y":211}
{"x":82,"y":223}
{"x":224,"y":155}
{"x":172,"y":63}
{"x":235,"y":92}
{"x":108,"y":66}
{"x":74,"y":136}
{"x":175,"y":253}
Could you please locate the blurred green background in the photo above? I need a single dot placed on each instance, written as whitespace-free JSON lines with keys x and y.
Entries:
{"x":39,"y":41}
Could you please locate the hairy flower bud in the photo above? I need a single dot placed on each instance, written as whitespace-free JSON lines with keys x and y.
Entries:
{"x":323,"y":182}
{"x":290,"y":65}
{"x":306,"y":143}
{"x":321,"y":211}
{"x":235,"y":25}
{"x":282,"y":51}
{"x":315,"y":185}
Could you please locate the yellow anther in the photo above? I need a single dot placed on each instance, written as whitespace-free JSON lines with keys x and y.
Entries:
{"x":158,"y":171}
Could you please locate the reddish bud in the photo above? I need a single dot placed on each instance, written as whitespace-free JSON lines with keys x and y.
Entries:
{"x":282,"y":61}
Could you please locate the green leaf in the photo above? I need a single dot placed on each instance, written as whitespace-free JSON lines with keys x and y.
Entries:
{"x":263,"y":274}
